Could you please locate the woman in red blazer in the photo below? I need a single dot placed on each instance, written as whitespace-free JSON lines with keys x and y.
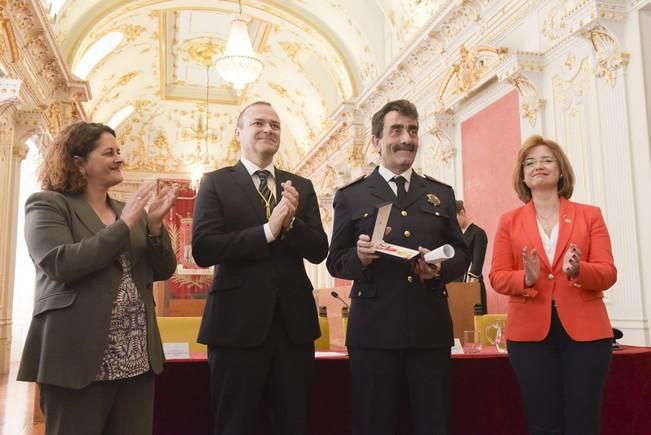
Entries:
{"x":553,"y":258}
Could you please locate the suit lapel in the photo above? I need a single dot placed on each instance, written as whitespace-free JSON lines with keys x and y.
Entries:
{"x":379,"y":187}
{"x":530,"y":229}
{"x":245,"y":182}
{"x":416,"y":189}
{"x":565,"y":226}
{"x":85,"y":213}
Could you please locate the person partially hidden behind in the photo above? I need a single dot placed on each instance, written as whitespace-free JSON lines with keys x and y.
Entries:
{"x":475,"y":238}
{"x":400,"y":329}
{"x":93,"y":343}
{"x":256,"y":224}
{"x":553,"y":258}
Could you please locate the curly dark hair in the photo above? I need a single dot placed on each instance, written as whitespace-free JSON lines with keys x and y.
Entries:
{"x":58,"y":171}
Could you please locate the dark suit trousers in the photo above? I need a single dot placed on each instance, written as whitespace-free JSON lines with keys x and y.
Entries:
{"x":277,"y":373}
{"x":120,"y":407}
{"x":377,"y":378}
{"x":562,"y":381}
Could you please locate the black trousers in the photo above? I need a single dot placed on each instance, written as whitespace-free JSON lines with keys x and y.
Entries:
{"x":277,"y":373}
{"x":562,"y":381}
{"x":377,"y":378}
{"x":120,"y":407}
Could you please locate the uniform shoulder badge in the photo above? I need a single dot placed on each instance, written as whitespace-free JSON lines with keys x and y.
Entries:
{"x":360,"y":178}
{"x":436,"y":181}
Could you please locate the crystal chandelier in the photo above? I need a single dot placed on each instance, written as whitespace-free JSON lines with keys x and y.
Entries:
{"x":239,"y":65}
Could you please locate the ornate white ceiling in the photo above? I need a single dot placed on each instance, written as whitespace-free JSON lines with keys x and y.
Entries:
{"x":317,"y":55}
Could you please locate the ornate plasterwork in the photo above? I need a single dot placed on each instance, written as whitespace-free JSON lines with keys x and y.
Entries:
{"x":441,"y":126}
{"x":609,"y":58}
{"x":468,"y":73}
{"x":517,"y":69}
{"x":38,"y":59}
{"x":5,"y":25}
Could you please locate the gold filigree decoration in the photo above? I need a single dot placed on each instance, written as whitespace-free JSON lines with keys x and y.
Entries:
{"x":11,"y":39}
{"x":467,"y":72}
{"x":203,"y":51}
{"x":608,"y":55}
{"x":126,"y":78}
{"x":132,"y":31}
{"x":530,"y":103}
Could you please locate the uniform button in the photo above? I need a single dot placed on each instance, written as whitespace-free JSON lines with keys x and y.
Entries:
{"x":550,"y":276}
{"x":365,"y":214}
{"x":404,"y":212}
{"x":410,"y":279}
{"x":407,"y":233}
{"x":437,"y":213}
{"x":359,"y":293}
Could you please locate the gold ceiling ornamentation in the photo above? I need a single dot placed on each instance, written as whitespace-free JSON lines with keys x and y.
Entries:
{"x":203,"y":50}
{"x":608,"y":55}
{"x":126,"y":78}
{"x":11,"y":39}
{"x":132,"y":31}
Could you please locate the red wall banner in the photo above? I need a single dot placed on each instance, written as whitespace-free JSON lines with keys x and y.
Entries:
{"x":490,"y":141}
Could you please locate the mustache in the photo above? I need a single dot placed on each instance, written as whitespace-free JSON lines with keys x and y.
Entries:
{"x":402,"y":147}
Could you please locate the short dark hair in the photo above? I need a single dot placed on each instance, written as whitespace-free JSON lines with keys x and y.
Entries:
{"x":565,"y":182}
{"x":403,"y":107}
{"x":255,"y":103}
{"x":58,"y":171}
{"x":459,"y":205}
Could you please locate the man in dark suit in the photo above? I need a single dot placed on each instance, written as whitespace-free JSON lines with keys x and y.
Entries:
{"x":399,"y":326}
{"x":477,"y":242}
{"x":257,"y":224}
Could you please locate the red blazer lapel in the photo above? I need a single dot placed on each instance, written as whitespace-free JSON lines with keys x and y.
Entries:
{"x":530,"y":229}
{"x":565,"y":226}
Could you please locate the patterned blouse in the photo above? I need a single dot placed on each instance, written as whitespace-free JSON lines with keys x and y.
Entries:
{"x":125,"y":355}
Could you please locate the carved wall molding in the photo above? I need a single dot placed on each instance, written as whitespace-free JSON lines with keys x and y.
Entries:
{"x":518,"y":69}
{"x":609,"y":57}
{"x":10,"y":36}
{"x":467,"y":74}
{"x":586,"y":19}
{"x":28,"y":30}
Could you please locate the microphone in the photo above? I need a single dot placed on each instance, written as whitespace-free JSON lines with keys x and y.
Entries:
{"x":335,"y":295}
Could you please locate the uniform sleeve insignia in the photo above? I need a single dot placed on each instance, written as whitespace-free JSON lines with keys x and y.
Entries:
{"x":433,"y":199}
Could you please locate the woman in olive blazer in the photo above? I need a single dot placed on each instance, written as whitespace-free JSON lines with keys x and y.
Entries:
{"x":93,"y":344}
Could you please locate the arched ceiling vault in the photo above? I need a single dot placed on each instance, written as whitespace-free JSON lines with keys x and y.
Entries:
{"x":317,"y":55}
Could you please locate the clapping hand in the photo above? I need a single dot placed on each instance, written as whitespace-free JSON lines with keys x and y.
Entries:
{"x":135,"y":206}
{"x":159,"y":207}
{"x":531,"y":264}
{"x":290,"y":196}
{"x":571,"y":261}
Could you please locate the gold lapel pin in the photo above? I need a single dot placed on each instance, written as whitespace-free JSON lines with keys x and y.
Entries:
{"x":433,"y":199}
{"x":567,"y":220}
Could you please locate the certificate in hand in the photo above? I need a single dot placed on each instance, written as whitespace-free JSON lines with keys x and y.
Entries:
{"x":379,"y":219}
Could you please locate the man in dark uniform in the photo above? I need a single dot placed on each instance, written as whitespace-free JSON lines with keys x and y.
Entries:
{"x":257,"y":224}
{"x":477,"y":241}
{"x":400,"y":326}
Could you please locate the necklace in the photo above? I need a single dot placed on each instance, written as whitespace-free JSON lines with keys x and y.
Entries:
{"x":548,"y":222}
